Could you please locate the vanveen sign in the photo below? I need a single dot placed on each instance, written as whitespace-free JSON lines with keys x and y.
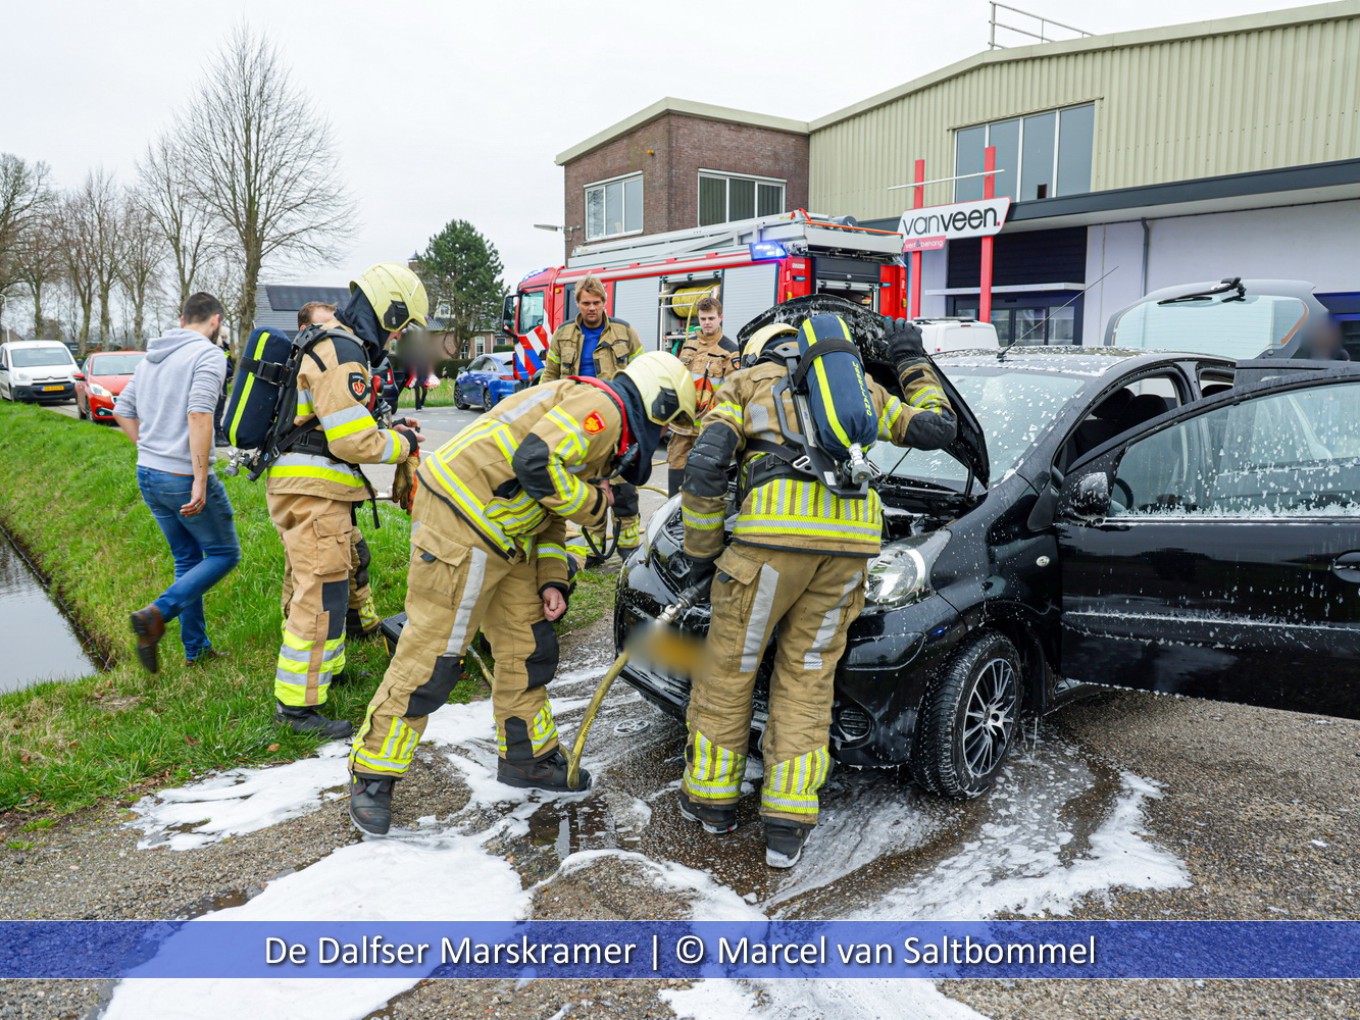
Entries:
{"x":928,"y":229}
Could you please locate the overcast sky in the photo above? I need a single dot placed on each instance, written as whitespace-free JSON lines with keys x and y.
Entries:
{"x":454,"y":110}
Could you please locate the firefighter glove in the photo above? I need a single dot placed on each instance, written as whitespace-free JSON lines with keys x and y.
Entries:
{"x":699,"y":576}
{"x":404,"y":484}
{"x":410,"y":437}
{"x":905,"y":346}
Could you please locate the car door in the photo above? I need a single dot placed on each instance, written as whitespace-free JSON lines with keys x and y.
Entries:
{"x":1215,"y":551}
{"x":4,"y":373}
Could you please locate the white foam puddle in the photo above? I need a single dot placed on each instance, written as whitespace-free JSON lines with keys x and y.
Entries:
{"x":440,"y":877}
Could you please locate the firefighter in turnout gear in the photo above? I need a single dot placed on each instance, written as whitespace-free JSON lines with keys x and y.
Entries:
{"x":361,"y":619}
{"x":710,"y":358}
{"x":798,"y":563}
{"x":314,"y":487}
{"x":488,"y":537}
{"x":599,"y":347}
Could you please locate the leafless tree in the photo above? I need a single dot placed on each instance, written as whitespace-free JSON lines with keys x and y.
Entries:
{"x":223,"y":276}
{"x":141,"y":252}
{"x":98,"y":214}
{"x":260,"y":161}
{"x":175,"y":209}
{"x":24,"y":196}
{"x":78,"y":245}
{"x":39,"y":264}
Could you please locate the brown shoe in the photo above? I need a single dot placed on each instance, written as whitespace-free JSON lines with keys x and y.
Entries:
{"x":149,"y":626}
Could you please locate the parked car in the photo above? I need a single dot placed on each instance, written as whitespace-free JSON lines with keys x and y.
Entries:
{"x":38,"y":370}
{"x":941,"y":335}
{"x":101,"y":379}
{"x":1104,"y":516}
{"x":486,"y":381}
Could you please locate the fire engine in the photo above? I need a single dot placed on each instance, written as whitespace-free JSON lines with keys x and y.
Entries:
{"x":653,"y":283}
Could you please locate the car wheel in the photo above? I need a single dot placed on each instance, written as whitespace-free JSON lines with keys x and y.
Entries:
{"x":486,"y":398}
{"x":968,"y":719}
{"x":458,"y":400}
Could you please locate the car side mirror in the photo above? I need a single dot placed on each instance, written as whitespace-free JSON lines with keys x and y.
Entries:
{"x":1090,"y":497}
{"x":78,"y":376}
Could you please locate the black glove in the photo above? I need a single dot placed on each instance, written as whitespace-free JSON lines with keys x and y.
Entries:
{"x":904,"y":343}
{"x":410,"y":435}
{"x":699,"y":574}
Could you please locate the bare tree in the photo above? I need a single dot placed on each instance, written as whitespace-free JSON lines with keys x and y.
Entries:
{"x":260,"y":161}
{"x":24,"y":196}
{"x":39,"y":264}
{"x":77,"y":247}
{"x":141,"y":252}
{"x":223,"y":276}
{"x":98,"y":216}
{"x":172,"y":204}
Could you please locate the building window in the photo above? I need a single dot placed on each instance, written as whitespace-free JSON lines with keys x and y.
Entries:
{"x":614,"y":208}
{"x":1043,"y":155}
{"x":727,"y":197}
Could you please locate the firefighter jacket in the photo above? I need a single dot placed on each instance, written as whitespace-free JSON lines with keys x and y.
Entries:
{"x":618,"y":342}
{"x":522,"y":470}
{"x":333,"y":388}
{"x":797,"y":513}
{"x":709,"y":362}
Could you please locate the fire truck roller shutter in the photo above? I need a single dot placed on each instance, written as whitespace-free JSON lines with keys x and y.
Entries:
{"x":746,"y":292}
{"x":635,"y":302}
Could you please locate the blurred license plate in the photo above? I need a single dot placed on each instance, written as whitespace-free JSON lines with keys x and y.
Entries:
{"x":53,"y":389}
{"x":665,"y":649}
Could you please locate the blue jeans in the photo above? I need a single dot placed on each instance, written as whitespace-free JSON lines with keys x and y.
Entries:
{"x":204,"y":546}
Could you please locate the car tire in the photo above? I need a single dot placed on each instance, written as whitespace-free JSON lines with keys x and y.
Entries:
{"x":969,"y":718}
{"x":459,"y":402}
{"x":486,"y":398}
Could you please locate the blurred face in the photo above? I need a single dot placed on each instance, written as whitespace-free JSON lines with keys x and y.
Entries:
{"x":710,"y":324}
{"x":592,"y":309}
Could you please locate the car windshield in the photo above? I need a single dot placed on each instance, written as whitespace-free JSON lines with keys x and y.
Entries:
{"x":1013,"y":404}
{"x":40,"y":357}
{"x":114,"y":364}
{"x":1235,"y":327}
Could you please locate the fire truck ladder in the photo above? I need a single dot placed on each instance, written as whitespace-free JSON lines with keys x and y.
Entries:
{"x":799,"y":232}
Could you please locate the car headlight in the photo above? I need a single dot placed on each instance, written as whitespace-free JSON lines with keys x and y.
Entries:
{"x":22,"y":378}
{"x":96,"y":390}
{"x":900,"y":575}
{"x":658,"y":522}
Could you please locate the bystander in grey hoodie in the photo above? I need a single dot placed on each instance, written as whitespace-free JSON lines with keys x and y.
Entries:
{"x":182,"y":374}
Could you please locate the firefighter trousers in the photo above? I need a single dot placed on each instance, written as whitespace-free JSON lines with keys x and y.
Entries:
{"x":452,"y":584}
{"x":627,"y":517}
{"x":361,"y":618}
{"x":807,"y":602}
{"x":317,"y":541}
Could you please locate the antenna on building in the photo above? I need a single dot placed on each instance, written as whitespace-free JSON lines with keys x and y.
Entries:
{"x":1036,"y":21}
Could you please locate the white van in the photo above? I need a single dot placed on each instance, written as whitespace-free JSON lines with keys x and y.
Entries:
{"x":38,"y":370}
{"x":956,"y":334}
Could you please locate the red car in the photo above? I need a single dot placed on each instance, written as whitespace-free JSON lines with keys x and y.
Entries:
{"x":101,"y":379}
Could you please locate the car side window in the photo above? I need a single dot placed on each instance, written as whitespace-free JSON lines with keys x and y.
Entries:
{"x":1295,"y":453}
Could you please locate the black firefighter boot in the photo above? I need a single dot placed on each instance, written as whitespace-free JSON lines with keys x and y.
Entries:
{"x":715,"y":818}
{"x":370,"y":803}
{"x":784,"y":842}
{"x":547,"y":772}
{"x":306,"y":719}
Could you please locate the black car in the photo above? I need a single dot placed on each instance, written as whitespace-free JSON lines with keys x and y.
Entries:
{"x":1125,"y":520}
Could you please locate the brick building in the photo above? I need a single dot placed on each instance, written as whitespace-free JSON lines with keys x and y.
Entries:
{"x":680,"y":164}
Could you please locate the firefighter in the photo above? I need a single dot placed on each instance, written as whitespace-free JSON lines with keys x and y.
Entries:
{"x":596,"y":346}
{"x":487,"y":535}
{"x":798,"y":562}
{"x":710,"y":357}
{"x":314,"y":487}
{"x":361,"y":618}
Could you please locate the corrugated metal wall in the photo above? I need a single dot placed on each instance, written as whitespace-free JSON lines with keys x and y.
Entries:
{"x":1165,"y":111}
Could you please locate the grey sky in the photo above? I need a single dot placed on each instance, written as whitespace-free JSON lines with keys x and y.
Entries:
{"x":445,"y":110}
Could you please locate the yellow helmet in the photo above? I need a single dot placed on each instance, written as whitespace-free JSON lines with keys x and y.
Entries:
{"x":666,"y":385}
{"x":761,"y":338}
{"x":396,"y":294}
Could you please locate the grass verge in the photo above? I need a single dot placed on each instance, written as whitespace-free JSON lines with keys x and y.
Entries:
{"x":439,"y":396}
{"x":68,"y":494}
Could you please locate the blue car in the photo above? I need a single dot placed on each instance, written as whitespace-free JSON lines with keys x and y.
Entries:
{"x":487,"y":380}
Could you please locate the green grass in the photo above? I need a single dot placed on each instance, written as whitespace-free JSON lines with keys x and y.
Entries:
{"x":68,"y":493}
{"x":440,"y":396}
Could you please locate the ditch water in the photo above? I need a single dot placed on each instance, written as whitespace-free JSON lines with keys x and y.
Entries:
{"x":37,"y":641}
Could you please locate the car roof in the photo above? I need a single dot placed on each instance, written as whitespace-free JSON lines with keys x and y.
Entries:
{"x":36,"y":343}
{"x":1075,"y":360}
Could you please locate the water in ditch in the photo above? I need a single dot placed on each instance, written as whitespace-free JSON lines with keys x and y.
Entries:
{"x":37,"y":642}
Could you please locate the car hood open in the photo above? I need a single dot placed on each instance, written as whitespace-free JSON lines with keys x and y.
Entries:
{"x":867,"y":327}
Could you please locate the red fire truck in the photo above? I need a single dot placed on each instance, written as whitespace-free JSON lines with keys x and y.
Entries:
{"x":654,"y":282}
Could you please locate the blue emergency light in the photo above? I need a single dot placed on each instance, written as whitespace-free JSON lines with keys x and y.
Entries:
{"x":762,"y":250}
